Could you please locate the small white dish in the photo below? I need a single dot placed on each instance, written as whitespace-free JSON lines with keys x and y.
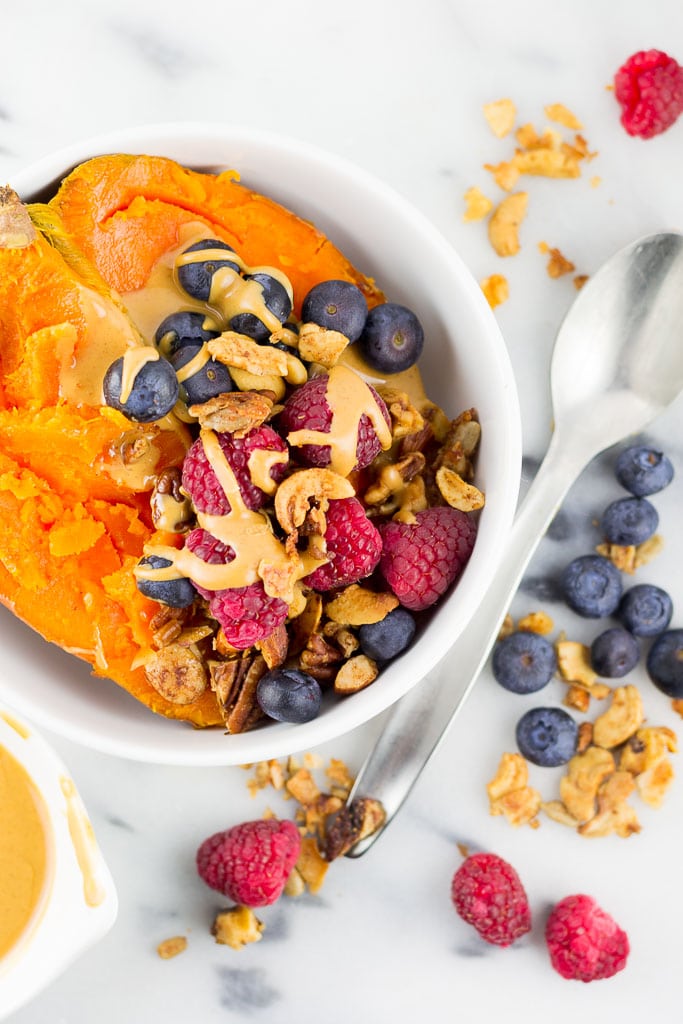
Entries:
{"x":77,"y":902}
{"x":465,"y":363}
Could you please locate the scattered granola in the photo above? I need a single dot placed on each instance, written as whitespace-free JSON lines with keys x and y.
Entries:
{"x":328,"y":826}
{"x":237,"y":927}
{"x":547,"y":154}
{"x":558,"y":265}
{"x":496,"y":289}
{"x":559,"y":113}
{"x":630,"y":557}
{"x":477,"y":205}
{"x":172,"y":947}
{"x":501,"y":116}
{"x":505,"y":221}
{"x":510,"y":794}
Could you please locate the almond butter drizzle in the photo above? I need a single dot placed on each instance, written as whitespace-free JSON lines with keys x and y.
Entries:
{"x":83,"y":364}
{"x":230,"y":293}
{"x":193,"y":365}
{"x":133,"y":361}
{"x":84,"y":843}
{"x":260,"y":463}
{"x":348,"y":397}
{"x":247,"y":532}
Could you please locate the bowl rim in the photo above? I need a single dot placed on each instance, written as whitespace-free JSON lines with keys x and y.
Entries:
{"x":280,"y":739}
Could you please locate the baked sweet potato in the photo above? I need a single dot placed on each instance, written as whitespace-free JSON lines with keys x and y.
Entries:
{"x":75,"y":475}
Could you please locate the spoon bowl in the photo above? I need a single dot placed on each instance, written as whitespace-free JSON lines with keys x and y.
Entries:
{"x":617,"y":364}
{"x":618,"y":356}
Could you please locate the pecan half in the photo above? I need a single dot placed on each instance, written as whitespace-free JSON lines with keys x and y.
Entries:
{"x":234,"y":683}
{"x":171,"y":508}
{"x":355,"y":821}
{"x":274,"y":647}
{"x":320,"y":658}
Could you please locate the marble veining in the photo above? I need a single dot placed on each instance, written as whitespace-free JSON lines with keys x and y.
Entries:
{"x":398,"y":88}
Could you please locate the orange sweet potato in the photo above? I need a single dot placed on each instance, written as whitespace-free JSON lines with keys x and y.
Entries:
{"x":74,"y":516}
{"x":73,"y":520}
{"x":125,"y":211}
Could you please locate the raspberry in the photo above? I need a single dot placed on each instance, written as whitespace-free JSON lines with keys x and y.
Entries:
{"x":353,"y":546}
{"x":420,"y":560}
{"x":307,"y":409}
{"x":246,"y":614}
{"x":201,"y":483}
{"x":251,"y":862}
{"x":649,"y":88}
{"x":584,"y":942}
{"x":487,"y":893}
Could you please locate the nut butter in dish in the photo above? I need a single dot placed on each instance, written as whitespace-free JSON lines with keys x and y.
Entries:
{"x":57,"y":896}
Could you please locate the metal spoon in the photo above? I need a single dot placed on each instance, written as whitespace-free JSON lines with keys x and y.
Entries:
{"x":617,"y":364}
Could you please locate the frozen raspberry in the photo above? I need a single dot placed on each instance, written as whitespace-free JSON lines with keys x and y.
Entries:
{"x":420,"y":560}
{"x":649,"y":89}
{"x":353,"y":546}
{"x":487,"y":893}
{"x":246,"y":614}
{"x":251,"y":862}
{"x":584,"y":942}
{"x":201,"y":483}
{"x":307,"y":409}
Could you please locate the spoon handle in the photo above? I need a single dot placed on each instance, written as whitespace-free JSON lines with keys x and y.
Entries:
{"x":419,"y":721}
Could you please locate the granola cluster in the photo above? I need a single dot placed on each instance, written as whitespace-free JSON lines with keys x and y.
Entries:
{"x":329,"y":825}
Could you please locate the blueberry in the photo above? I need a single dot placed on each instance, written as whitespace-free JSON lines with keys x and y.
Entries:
{"x":645,"y":610}
{"x":153,"y":394}
{"x":614,"y":653}
{"x":177,"y":592}
{"x":213,"y":378}
{"x":337,"y":305}
{"x":629,"y":521}
{"x":524,"y":662}
{"x":665,"y":663}
{"x":642,"y":470}
{"x":289,"y":695}
{"x":386,"y":639}
{"x":547,"y":736}
{"x":392,"y":338}
{"x":196,"y":278}
{"x":180,"y":329}
{"x":592,"y":586}
{"x":276,"y":299}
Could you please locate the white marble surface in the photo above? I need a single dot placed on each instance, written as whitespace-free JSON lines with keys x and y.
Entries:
{"x":398,"y":87}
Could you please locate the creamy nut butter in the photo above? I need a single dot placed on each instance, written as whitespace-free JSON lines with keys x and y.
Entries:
{"x":24,"y":857}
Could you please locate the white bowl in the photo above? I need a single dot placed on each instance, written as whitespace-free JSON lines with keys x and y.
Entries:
{"x":465,"y":363}
{"x":78,"y":902}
